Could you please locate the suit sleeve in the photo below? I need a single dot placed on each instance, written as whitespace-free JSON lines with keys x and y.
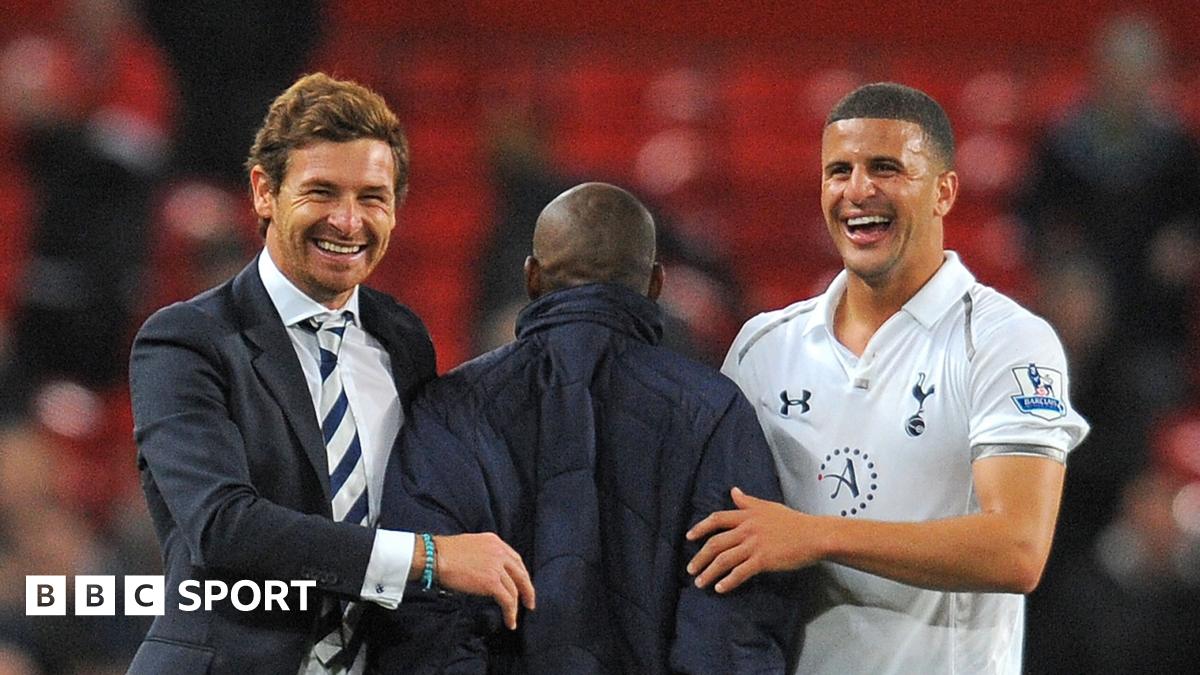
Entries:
{"x":748,"y":630}
{"x":195,"y":458}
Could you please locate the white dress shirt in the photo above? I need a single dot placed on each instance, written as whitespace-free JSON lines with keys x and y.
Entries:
{"x":366,"y":373}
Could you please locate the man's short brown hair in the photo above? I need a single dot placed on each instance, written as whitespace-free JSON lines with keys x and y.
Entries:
{"x":318,"y":107}
{"x":893,"y":101}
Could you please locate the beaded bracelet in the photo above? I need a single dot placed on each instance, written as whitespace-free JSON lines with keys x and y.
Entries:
{"x":430,"y":560}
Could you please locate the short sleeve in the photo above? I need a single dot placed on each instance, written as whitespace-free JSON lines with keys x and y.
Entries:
{"x":732,"y":361}
{"x":736,"y":362}
{"x":1020,"y":388}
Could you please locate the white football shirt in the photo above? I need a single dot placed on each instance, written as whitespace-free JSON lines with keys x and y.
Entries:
{"x":960,"y":372}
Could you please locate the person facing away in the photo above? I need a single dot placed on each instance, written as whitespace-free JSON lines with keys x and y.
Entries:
{"x":591,"y":449}
{"x":920,"y":422}
{"x":265,"y":409}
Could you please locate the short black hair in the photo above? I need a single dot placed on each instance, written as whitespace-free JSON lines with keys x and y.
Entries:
{"x":893,"y":101}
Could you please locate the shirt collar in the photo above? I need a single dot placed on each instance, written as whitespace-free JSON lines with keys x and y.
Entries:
{"x":290,"y":302}
{"x":826,"y":304}
{"x":941,"y":292}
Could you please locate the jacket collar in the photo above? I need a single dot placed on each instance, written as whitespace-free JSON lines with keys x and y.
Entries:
{"x":611,"y":305}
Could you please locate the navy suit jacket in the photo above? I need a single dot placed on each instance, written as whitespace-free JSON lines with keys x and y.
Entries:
{"x":233,"y":467}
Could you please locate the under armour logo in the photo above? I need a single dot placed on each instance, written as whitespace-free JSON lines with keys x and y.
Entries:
{"x":802,"y":402}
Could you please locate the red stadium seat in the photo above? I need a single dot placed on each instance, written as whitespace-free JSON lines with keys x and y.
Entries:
{"x":427,"y":85}
{"x":992,"y":99}
{"x":599,"y":91}
{"x":447,"y":149}
{"x":1055,"y":88}
{"x":761,"y":94}
{"x":990,"y":164}
{"x":772,"y":158}
{"x":441,"y":295}
{"x":16,"y":212}
{"x":594,"y":152}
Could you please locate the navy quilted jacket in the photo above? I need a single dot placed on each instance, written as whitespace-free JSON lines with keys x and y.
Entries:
{"x":591,"y":450}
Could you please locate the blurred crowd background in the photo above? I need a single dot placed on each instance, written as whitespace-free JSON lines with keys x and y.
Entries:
{"x":123,"y":126}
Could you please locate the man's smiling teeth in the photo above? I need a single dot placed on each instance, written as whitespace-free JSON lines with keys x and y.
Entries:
{"x":867,"y":220}
{"x":337,"y":248}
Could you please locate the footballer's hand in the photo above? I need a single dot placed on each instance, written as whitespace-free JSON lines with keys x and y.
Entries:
{"x":760,"y":536}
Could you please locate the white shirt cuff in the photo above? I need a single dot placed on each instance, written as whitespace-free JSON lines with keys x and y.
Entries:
{"x":387,"y":570}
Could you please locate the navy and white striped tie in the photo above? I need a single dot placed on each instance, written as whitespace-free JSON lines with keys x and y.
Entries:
{"x":347,"y":477}
{"x":338,"y":650}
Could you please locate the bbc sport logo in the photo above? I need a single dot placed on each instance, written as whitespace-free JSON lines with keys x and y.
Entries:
{"x":145,"y":595}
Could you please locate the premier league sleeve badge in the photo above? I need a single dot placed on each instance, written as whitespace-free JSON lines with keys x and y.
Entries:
{"x":1039,"y":388}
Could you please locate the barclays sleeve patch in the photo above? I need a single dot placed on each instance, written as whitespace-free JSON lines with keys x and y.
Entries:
{"x":1039,"y":392}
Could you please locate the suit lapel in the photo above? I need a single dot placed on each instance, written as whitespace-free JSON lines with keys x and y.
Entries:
{"x":378,"y":324}
{"x":277,"y":367}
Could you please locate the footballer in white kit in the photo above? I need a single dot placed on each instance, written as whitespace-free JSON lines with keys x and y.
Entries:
{"x":920,"y":422}
{"x":961,"y":372}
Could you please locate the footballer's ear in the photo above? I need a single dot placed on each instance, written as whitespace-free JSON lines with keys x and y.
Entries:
{"x":947,"y":192}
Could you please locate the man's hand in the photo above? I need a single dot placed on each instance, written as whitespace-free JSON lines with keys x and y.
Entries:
{"x":760,"y":536}
{"x":482,"y":564}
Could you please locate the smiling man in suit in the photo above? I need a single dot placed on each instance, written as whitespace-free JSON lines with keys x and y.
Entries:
{"x":265,"y":408}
